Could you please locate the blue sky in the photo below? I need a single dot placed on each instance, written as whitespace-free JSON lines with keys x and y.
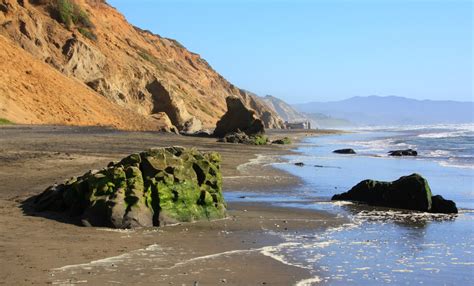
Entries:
{"x":305,"y":50}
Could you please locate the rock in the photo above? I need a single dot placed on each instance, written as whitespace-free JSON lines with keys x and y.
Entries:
{"x":407,"y":152}
{"x":192,"y":125}
{"x":242,"y":138}
{"x":152,"y":188}
{"x":344,"y":151}
{"x":299,"y":164}
{"x":282,"y":141}
{"x":441,"y":205}
{"x":238,"y":118}
{"x":409,"y":192}
{"x":264,"y":111}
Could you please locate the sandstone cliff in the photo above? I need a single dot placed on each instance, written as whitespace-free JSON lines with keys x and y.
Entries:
{"x":98,"y":52}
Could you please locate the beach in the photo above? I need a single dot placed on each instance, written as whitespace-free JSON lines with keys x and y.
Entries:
{"x":238,"y":250}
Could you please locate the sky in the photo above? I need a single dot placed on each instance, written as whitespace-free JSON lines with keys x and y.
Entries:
{"x":302,"y":50}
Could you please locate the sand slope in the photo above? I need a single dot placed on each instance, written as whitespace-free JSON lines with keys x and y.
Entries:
{"x":32,"y":92}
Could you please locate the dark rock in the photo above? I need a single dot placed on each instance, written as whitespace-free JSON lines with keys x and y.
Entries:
{"x":153,"y":188}
{"x":299,"y":164}
{"x":242,"y":138}
{"x":409,"y":192}
{"x":407,"y":152}
{"x":441,"y":205}
{"x":238,"y":117}
{"x":344,"y":151}
{"x":283,"y":141}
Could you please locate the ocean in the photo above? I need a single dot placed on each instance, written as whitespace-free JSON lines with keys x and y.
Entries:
{"x":382,"y":246}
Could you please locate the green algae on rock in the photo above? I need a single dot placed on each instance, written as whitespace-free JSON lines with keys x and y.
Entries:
{"x":409,"y":192}
{"x":282,"y":141}
{"x":153,"y":188}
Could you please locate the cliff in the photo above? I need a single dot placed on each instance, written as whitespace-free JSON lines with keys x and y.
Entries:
{"x":109,"y":66}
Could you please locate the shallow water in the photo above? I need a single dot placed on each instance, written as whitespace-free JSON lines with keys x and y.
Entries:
{"x":380,"y":246}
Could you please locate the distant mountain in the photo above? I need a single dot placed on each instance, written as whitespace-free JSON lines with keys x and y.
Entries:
{"x":286,"y":111}
{"x":393,"y":110}
{"x":325,"y":121}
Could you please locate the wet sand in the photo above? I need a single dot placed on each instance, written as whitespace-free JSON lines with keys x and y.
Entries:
{"x":39,"y":249}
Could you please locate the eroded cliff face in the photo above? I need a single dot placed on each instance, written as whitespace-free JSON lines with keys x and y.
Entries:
{"x":132,"y":68}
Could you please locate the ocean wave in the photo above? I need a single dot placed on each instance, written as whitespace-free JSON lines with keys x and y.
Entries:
{"x":445,"y":134}
{"x":439,"y":153}
{"x":463,"y":126}
{"x":381,"y":145}
{"x":456,"y":164}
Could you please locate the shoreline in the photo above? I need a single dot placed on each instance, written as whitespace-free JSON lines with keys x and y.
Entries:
{"x":240,"y":245}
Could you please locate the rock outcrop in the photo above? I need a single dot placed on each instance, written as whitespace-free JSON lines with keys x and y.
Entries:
{"x":441,"y":205}
{"x":152,"y":188}
{"x":399,"y":153}
{"x":242,"y":138}
{"x":344,"y":151}
{"x":282,"y":141}
{"x":94,"y":47}
{"x":410,"y":192}
{"x":238,"y":118}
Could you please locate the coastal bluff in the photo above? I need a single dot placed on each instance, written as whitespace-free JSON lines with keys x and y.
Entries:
{"x":153,"y":188}
{"x":409,"y":192}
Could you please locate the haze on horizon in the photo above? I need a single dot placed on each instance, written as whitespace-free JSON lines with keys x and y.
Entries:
{"x":303,"y":51}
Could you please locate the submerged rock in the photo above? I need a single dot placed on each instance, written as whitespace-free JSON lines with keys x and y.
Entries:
{"x":409,"y":192}
{"x":152,"y":188}
{"x":344,"y":151}
{"x":238,"y":118}
{"x":407,"y":152}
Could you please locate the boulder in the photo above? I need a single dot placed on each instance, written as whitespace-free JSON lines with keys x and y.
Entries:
{"x":344,"y":151}
{"x":441,"y":205}
{"x":152,"y":188}
{"x":409,"y":192}
{"x":282,"y":141}
{"x":238,"y":118}
{"x":407,"y":152}
{"x":242,"y":138}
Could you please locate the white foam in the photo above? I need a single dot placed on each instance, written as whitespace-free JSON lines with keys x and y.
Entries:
{"x":264,"y":160}
{"x":445,"y":134}
{"x":111,"y":260}
{"x":439,"y":153}
{"x":309,"y":282}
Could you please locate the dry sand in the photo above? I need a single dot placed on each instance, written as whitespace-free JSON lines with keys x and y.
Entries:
{"x":233,"y":251}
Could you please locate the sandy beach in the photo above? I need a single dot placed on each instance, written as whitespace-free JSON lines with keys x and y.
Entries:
{"x":44,"y":249}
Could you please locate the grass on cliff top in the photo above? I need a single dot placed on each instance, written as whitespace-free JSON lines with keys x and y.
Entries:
{"x":4,"y":121}
{"x":71,"y":14}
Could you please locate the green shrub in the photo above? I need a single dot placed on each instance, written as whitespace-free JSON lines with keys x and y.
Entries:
{"x":259,"y":139}
{"x":4,"y":121}
{"x":88,"y":34}
{"x":71,"y":14}
{"x":146,"y":56}
{"x":65,"y":10}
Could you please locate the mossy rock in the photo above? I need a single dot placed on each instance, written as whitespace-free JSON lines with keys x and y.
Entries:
{"x":259,"y":139}
{"x":282,"y":141}
{"x":152,"y":188}
{"x":409,"y":192}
